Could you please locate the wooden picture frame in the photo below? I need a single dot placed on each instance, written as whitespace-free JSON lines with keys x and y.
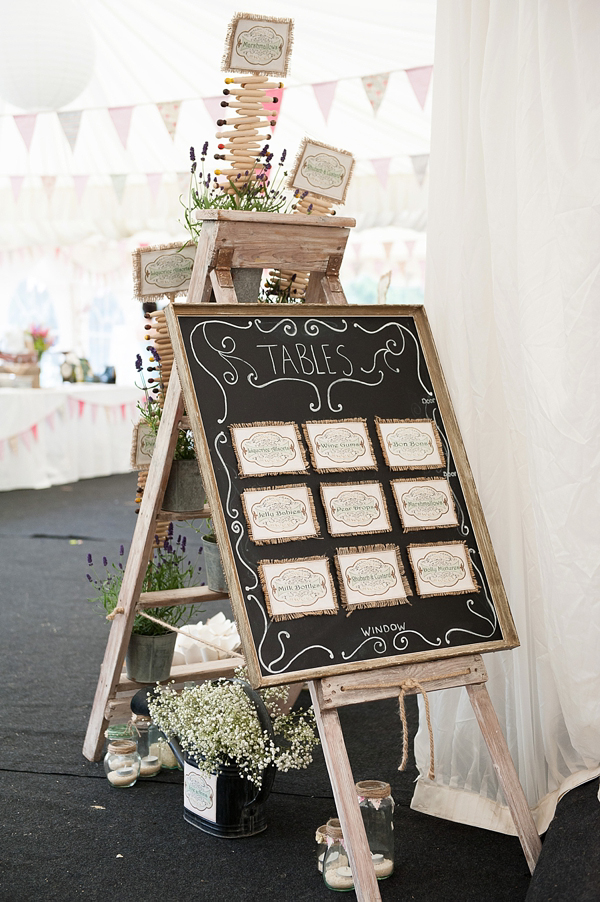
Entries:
{"x":322,"y":170}
{"x":407,"y":384}
{"x":164,"y":269}
{"x":261,"y":45}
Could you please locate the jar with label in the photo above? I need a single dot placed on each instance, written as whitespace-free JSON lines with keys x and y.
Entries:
{"x":122,"y":763}
{"x":148,"y":737}
{"x":377,"y":809}
{"x":336,"y":866}
{"x":321,"y":841}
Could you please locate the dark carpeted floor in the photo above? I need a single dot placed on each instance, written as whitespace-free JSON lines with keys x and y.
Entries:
{"x":68,"y":835}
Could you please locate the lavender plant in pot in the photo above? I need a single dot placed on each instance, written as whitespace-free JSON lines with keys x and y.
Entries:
{"x":151,"y":645}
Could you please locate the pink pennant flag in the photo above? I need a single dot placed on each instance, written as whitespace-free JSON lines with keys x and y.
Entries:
{"x":154,"y":183}
{"x":274,"y":107}
{"x":26,"y":440}
{"x":169,"y":112}
{"x":410,"y":246}
{"x":121,"y":117}
{"x":419,"y":164}
{"x":49,"y":181}
{"x":118,"y":183}
{"x":80,"y":181}
{"x":50,"y":420}
{"x":81,"y":405}
{"x":70,"y":122}
{"x":34,"y":431}
{"x":26,"y":126}
{"x":215,"y":110}
{"x":375,"y":87}
{"x":123,"y":410}
{"x":325,"y":92}
{"x":420,"y":79}
{"x":16,"y":183}
{"x":382,"y":169}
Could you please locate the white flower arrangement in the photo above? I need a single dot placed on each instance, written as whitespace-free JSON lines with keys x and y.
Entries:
{"x":216,"y":724}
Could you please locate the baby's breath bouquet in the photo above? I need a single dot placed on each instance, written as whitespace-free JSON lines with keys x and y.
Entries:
{"x":217,"y":723}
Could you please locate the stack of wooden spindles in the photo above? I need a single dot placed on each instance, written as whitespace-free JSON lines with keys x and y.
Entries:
{"x":287,"y":279}
{"x":246,"y":100}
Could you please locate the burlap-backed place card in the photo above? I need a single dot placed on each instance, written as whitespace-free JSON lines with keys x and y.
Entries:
{"x":162,"y":269}
{"x":142,"y":446}
{"x":297,"y":588}
{"x":258,"y":44}
{"x":442,"y":569}
{"x":268,"y":449}
{"x":339,"y":445}
{"x":323,"y":170}
{"x":355,"y":508}
{"x":424,"y":503}
{"x":371,"y":577}
{"x":410,"y":444}
{"x":282,"y":514}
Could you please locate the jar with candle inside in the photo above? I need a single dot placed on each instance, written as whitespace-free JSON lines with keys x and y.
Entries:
{"x":149,"y":735}
{"x":336,"y":866}
{"x":122,"y":763}
{"x":377,"y":809}
{"x":321,"y":841}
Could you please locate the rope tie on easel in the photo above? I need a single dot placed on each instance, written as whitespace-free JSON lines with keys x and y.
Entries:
{"x":404,"y":686}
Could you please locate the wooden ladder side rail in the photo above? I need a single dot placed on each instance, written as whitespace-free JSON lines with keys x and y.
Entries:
{"x":135,"y":569}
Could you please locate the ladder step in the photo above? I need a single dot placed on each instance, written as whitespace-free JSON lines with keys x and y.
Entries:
{"x":184,"y":515}
{"x":209,"y":670}
{"x":191,"y":595}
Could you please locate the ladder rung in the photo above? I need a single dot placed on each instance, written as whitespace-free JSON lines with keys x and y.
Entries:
{"x":191,"y":595}
{"x":184,"y":515}
{"x":207,"y":670}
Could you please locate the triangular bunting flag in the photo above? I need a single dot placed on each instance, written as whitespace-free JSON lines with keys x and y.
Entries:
{"x":154,"y":183}
{"x":419,"y":79}
{"x":48,"y":181}
{"x":121,"y":117}
{"x":419,"y":164}
{"x":118,"y":183}
{"x":274,"y":107}
{"x":70,"y":122}
{"x":375,"y":87}
{"x":80,"y":183}
{"x":410,"y":246}
{"x":169,"y":112}
{"x":26,"y":126}
{"x":16,"y":183}
{"x":215,"y":110}
{"x":325,"y":92}
{"x":382,"y":169}
{"x":387,"y":247}
{"x":24,"y":436}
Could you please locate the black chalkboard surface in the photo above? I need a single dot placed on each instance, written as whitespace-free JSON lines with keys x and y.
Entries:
{"x":348,"y":521}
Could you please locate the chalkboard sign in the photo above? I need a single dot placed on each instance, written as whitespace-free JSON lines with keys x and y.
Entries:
{"x":349,"y":525}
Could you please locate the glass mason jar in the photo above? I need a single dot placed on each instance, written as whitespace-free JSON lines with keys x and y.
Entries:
{"x":336,"y":866}
{"x":321,"y":841}
{"x":148,"y":737}
{"x":122,"y":762}
{"x":377,"y":809}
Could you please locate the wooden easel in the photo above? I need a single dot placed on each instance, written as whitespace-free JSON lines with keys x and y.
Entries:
{"x":314,"y":244}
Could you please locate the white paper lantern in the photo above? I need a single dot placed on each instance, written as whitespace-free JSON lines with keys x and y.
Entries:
{"x":47,"y":52}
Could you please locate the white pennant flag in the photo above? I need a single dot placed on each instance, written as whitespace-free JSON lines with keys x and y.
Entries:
{"x":118,"y":183}
{"x":375,"y":87}
{"x":70,"y":122}
{"x":419,"y":164}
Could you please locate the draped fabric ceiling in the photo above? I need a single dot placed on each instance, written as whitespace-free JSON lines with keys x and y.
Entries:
{"x":125,"y":172}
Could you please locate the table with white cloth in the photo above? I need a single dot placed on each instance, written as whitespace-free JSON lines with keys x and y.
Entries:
{"x":51,"y":436}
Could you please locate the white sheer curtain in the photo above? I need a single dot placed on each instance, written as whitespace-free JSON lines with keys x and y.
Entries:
{"x":513,"y":292}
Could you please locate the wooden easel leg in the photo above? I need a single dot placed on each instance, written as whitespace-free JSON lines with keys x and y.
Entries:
{"x":135,"y":570}
{"x":507,"y":774}
{"x":344,"y":793}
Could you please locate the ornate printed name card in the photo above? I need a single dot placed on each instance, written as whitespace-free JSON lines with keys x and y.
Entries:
{"x":322,"y":170}
{"x":339,"y":445}
{"x":410,"y":444}
{"x":298,"y":588}
{"x":443,"y":569}
{"x":424,"y":503}
{"x":267,"y":449}
{"x":163,"y":269}
{"x":282,"y":514}
{"x":258,"y":44}
{"x":371,"y":577}
{"x":142,"y":446}
{"x":355,"y":508}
